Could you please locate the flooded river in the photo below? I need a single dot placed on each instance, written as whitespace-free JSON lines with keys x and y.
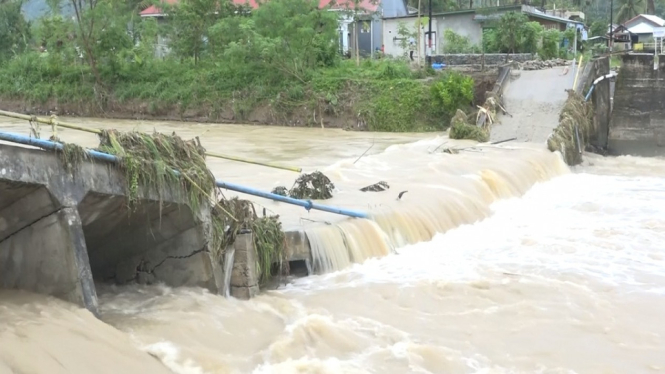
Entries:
{"x":498,"y":259}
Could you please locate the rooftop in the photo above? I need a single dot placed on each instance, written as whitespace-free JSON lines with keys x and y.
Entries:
{"x":369,"y":5}
{"x":529,"y":10}
{"x":657,"y":21}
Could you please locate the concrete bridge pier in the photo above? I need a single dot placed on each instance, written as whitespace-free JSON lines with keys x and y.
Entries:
{"x":42,"y":246}
{"x":61,"y":232}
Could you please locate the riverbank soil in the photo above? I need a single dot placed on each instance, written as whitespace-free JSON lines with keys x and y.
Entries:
{"x":344,"y":116}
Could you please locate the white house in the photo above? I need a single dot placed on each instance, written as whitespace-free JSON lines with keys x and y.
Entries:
{"x":468,"y":23}
{"x":642,"y":27}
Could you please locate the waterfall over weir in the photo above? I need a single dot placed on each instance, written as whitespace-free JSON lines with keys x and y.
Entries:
{"x":444,"y":191}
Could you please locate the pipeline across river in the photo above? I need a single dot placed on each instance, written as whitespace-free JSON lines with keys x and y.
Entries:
{"x":498,"y":259}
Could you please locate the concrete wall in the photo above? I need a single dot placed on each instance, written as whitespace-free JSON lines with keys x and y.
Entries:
{"x":637,"y":126}
{"x":601,"y":98}
{"x":369,"y":42}
{"x":491,"y":59}
{"x":244,"y":276}
{"x":548,"y":24}
{"x":463,"y":25}
{"x":392,"y":40}
{"x":61,"y":232}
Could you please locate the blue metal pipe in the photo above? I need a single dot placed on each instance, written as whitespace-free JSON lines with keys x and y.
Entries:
{"x":307,"y":204}
{"x":53,"y":146}
{"x":586,"y":98}
{"x":611,"y":75}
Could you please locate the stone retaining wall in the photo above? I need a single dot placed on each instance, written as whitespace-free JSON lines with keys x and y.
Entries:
{"x":490,"y":59}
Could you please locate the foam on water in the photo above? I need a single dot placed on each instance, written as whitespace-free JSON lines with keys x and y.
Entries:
{"x":441,"y":192}
{"x":568,"y":278}
{"x":589,"y":218}
{"x":462,"y":275}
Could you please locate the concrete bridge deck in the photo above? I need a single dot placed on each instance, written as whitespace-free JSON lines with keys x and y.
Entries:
{"x":62,"y":232}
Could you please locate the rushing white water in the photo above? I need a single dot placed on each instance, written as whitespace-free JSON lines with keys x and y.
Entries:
{"x":229,"y":256}
{"x":569,"y":278}
{"x":564,"y":276}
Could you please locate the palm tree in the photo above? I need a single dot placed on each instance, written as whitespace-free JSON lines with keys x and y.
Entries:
{"x":629,"y":9}
{"x":651,"y":7}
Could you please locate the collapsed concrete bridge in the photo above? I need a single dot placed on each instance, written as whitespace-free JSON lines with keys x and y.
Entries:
{"x":61,"y":232}
{"x":66,"y":227}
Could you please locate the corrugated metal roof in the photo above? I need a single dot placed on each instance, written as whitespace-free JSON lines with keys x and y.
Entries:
{"x":536,"y":13}
{"x":655,"y":19}
{"x":648,"y":17}
{"x":642,"y":28}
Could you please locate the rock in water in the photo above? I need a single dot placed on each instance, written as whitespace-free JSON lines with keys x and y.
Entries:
{"x":376,"y":187}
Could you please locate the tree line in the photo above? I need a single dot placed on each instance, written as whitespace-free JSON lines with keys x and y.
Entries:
{"x":225,"y":61}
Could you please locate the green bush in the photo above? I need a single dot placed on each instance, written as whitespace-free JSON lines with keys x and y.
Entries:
{"x":455,"y":43}
{"x":551,"y":40}
{"x":453,"y":91}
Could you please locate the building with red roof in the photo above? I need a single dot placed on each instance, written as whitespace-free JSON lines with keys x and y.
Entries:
{"x":369,"y":22}
{"x":367,"y":6}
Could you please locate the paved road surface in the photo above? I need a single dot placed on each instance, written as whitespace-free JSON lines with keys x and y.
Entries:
{"x":535,"y":99}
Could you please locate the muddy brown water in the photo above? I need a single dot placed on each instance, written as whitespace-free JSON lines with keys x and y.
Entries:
{"x":498,"y":259}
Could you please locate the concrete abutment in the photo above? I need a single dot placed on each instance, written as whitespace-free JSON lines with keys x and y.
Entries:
{"x":637,"y":125}
{"x":61,"y":232}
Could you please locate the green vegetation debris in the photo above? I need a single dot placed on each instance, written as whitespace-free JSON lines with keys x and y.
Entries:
{"x":575,"y":128}
{"x":461,"y":129}
{"x":150,"y":161}
{"x":270,"y":246}
{"x":314,"y":186}
{"x":72,"y":155}
{"x":267,"y":234}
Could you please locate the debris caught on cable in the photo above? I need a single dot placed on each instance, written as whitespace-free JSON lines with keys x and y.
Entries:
{"x":315,"y":186}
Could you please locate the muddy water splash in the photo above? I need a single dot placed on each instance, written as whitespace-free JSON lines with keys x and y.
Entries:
{"x":566,"y":279}
{"x":342,"y":244}
{"x":442,"y":191}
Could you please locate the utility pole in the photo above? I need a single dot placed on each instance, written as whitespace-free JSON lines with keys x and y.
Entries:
{"x":429,"y":36}
{"x":611,"y":24}
{"x":420,"y":39}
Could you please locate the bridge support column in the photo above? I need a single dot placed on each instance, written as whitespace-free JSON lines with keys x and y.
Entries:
{"x":244,"y":278}
{"x":48,"y":255}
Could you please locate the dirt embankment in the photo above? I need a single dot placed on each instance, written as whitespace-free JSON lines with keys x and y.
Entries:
{"x":260,"y":114}
{"x":143,"y":110}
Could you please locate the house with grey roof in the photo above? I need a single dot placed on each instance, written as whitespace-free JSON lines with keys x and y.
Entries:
{"x":467,"y":22}
{"x":641,"y":27}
